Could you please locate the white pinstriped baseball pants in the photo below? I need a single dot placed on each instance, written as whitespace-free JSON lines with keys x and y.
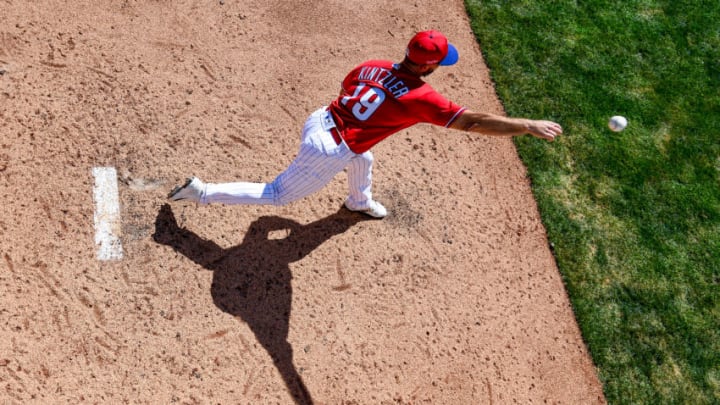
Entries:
{"x":317,"y":162}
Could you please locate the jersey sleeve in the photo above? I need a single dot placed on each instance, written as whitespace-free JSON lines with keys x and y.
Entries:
{"x":433,"y":108}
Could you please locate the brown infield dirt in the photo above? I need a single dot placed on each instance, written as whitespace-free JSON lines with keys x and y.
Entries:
{"x":454,"y":298}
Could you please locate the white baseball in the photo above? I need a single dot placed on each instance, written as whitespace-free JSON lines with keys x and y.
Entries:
{"x":617,"y":123}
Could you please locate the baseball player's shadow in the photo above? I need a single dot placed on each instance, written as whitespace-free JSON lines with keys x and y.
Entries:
{"x":253,"y":280}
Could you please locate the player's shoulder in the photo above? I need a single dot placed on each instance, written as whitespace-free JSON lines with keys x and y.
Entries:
{"x":424,"y":93}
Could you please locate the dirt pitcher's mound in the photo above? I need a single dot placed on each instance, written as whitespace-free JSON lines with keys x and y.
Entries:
{"x":452,"y":299}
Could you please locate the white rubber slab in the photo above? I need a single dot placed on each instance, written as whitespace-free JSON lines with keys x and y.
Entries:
{"x":107,"y":214}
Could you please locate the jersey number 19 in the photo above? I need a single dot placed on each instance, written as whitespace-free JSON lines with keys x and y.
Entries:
{"x":364,"y":101}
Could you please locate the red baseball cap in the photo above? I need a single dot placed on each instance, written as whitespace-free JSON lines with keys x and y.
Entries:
{"x":431,"y":47}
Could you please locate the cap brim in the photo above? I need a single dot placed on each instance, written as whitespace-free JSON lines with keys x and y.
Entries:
{"x":452,"y":56}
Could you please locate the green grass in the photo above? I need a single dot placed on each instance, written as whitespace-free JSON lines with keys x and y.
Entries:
{"x":634,"y":216}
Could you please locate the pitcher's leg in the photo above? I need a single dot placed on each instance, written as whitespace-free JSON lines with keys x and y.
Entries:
{"x":239,"y":193}
{"x":360,"y":180}
{"x":311,"y":170}
{"x":319,"y":159}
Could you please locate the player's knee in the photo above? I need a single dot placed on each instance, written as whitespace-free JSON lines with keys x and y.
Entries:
{"x":283,"y":197}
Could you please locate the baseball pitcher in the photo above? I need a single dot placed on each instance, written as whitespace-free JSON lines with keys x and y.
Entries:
{"x":378,"y":98}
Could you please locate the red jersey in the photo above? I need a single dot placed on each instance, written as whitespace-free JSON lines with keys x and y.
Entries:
{"x":379,"y":99}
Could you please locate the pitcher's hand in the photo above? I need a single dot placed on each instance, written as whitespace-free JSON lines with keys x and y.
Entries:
{"x":547,"y":130}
